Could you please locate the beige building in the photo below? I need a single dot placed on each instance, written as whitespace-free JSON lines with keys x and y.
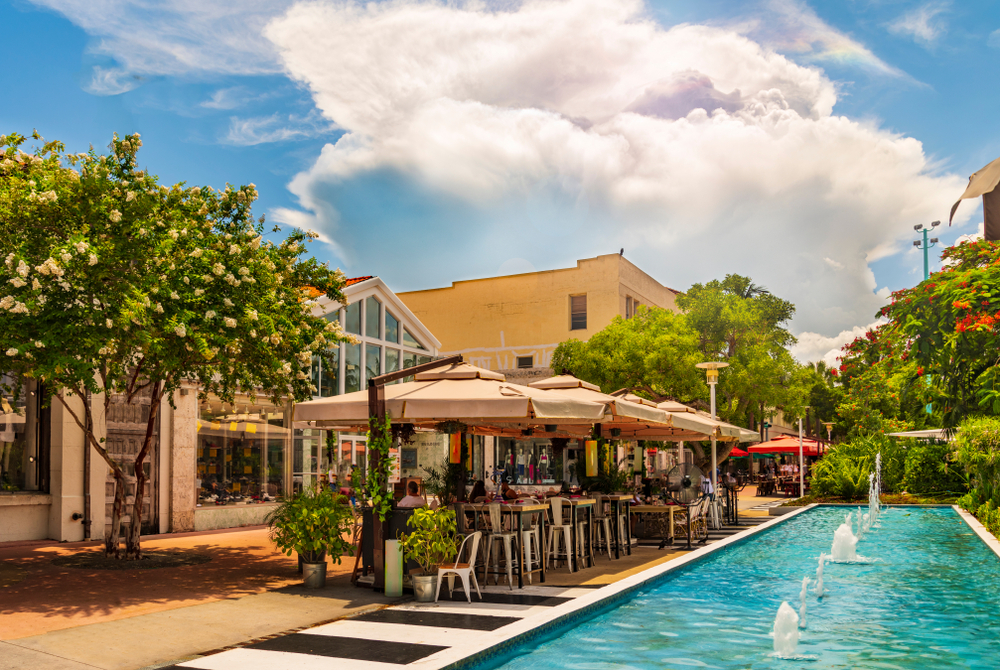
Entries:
{"x":514,"y":323}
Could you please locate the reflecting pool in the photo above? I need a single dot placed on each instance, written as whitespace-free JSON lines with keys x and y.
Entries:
{"x":930,"y":599}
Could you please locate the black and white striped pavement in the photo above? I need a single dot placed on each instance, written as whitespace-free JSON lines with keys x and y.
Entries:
{"x":412,"y":634}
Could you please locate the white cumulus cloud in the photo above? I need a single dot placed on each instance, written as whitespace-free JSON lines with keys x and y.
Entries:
{"x":814,"y":347}
{"x":690,"y":138}
{"x":924,"y":24}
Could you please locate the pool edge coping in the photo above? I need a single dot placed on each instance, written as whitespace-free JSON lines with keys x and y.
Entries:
{"x":979,"y":529}
{"x":456,"y":658}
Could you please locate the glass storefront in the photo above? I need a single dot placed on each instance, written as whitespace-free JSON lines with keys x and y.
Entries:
{"x":16,"y":459}
{"x":525,"y":462}
{"x":241,"y":452}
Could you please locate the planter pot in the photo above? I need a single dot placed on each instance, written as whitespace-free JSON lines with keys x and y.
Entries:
{"x":314,"y":575}
{"x":319,"y":559}
{"x":424,"y":587}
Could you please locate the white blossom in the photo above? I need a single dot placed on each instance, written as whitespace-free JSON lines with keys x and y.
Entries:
{"x":130,"y":196}
{"x":12,"y":352}
{"x":115,"y":216}
{"x":219,"y":269}
{"x":19,"y":308}
{"x":66,"y":256}
{"x":22,"y":268}
{"x":39,"y":344}
{"x":174,"y":296}
{"x":233,"y":249}
{"x":173,"y":234}
{"x":92,"y":260}
{"x":230,"y":279}
{"x":159,"y":308}
{"x":253,"y":334}
{"x":244,"y":272}
{"x":286,"y":368}
{"x":18,"y":282}
{"x":199,"y":292}
{"x":301,"y":375}
{"x":197,"y":253}
{"x":6,"y":302}
{"x":275,"y":338}
{"x":9,"y":261}
{"x":181,"y":330}
{"x":35,"y":284}
{"x":41,"y":299}
{"x":210,"y":314}
{"x":252,"y":314}
{"x":81,"y":247}
{"x":230,"y":322}
{"x":109,"y":323}
{"x":187,"y":280}
{"x":227,"y":302}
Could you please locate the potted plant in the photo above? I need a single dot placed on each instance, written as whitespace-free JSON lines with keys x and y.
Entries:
{"x":314,"y":524}
{"x":431,"y":542}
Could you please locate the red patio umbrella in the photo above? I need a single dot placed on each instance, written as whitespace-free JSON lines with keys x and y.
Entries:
{"x":786,"y":444}
{"x":738,"y":453}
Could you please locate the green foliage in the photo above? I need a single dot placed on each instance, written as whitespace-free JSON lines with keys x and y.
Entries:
{"x":843,"y":471}
{"x":611,"y":477}
{"x":312,"y":524}
{"x":928,"y":470}
{"x":443,"y":481}
{"x":376,"y":483}
{"x":950,"y":328}
{"x":978,"y":451}
{"x":653,"y":353}
{"x":432,"y":540}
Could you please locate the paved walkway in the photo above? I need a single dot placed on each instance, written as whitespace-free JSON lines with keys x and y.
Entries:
{"x":70,"y":619}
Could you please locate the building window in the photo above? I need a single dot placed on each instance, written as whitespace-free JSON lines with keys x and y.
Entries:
{"x":391,"y":360}
{"x":373,"y":318}
{"x":578,"y":312}
{"x":629,"y":309}
{"x":391,"y":328}
{"x":373,"y":355}
{"x":525,"y":362}
{"x":353,"y":322}
{"x":19,"y":462}
{"x":411,"y":341}
{"x":241,"y":452}
{"x":352,"y":368}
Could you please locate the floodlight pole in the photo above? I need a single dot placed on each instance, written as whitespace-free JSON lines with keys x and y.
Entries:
{"x":920,"y":228}
{"x":802,"y":464}
{"x":711,"y":369}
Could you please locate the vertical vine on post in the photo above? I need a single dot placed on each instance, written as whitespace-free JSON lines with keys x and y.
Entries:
{"x":376,"y":484}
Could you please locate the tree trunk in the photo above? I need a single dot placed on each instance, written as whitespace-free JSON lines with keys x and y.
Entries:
{"x":113,"y":537}
{"x":133,"y":550}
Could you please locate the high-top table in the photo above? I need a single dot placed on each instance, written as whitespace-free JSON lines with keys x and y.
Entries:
{"x":618,"y":502}
{"x":516,"y":511}
{"x":585,"y":505}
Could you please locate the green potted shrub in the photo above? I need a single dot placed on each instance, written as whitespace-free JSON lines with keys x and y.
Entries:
{"x":432,"y":542}
{"x":313,"y":524}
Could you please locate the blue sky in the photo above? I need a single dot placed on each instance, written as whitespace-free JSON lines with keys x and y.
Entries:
{"x":797,"y":143}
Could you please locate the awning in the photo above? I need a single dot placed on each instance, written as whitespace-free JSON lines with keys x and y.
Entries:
{"x":933,"y":434}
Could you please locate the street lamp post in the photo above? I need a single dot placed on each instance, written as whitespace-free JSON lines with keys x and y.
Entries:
{"x":712,"y":373}
{"x":927,"y":243}
{"x":829,"y":432}
{"x":927,"y":273}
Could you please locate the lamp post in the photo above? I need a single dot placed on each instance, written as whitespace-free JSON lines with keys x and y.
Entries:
{"x":927,"y":243}
{"x":711,"y":369}
{"x":829,"y":432}
{"x":802,"y":462}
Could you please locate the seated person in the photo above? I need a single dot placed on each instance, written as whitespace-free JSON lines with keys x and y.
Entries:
{"x":413,"y":497}
{"x":478,"y":491}
{"x":508,"y":493}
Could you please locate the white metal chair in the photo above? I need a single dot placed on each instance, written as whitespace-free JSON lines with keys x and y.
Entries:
{"x":602,"y":528}
{"x":559,"y":528}
{"x":464,"y":571}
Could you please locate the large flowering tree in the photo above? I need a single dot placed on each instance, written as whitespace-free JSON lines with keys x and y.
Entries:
{"x":113,"y":284}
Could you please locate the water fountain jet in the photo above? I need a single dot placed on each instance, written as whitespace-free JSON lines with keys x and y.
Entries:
{"x":819,"y":576}
{"x":786,"y":631}
{"x":802,"y":602}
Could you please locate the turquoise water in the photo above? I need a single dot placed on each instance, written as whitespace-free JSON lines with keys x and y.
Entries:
{"x":930,"y":600}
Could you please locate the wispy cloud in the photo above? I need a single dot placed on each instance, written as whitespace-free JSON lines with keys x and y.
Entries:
{"x":924,"y":24}
{"x":111,"y":81}
{"x":792,"y":27}
{"x":277,"y":128}
{"x":994,"y":39}
{"x":232,"y":98}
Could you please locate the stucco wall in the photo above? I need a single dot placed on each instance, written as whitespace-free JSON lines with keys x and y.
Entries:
{"x":24,"y":516}
{"x":493,"y":321}
{"x":230,"y":516}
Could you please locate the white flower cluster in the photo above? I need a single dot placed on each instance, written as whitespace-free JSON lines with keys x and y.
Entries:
{"x":231,"y":280}
{"x":92,"y":260}
{"x":43,"y":197}
{"x":230,"y":322}
{"x":198,"y":292}
{"x":50,"y":267}
{"x":181,"y":331}
{"x":252,"y":315}
{"x":12,"y":352}
{"x":210,"y":314}
{"x":115,"y":216}
{"x":81,"y":247}
{"x":233,"y":250}
{"x":244,"y":272}
{"x":219,"y":269}
{"x":196,"y":253}
{"x":15,"y":307}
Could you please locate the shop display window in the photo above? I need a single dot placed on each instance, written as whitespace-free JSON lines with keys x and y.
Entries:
{"x":17,"y":458}
{"x":240,"y":453}
{"x":525,"y":462}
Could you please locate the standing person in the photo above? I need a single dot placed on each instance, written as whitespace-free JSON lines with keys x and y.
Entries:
{"x":331,"y":479}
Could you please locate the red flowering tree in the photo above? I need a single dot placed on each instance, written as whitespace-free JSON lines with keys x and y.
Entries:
{"x":947,"y":328}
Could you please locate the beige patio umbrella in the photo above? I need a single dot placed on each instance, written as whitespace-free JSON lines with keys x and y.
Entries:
{"x":621,"y":410}
{"x":457,"y":393}
{"x":727,"y":431}
{"x":984,"y":183}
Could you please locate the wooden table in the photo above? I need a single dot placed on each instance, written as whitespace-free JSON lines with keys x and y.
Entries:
{"x":669,"y":510}
{"x":617,"y":501}
{"x":516,"y":510}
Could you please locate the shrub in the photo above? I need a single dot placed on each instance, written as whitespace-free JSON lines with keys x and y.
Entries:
{"x":433,"y":539}
{"x":978,"y":451}
{"x":314,"y":524}
{"x":928,"y":470}
{"x":844,"y":470}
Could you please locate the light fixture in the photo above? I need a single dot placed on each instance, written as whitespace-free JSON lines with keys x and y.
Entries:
{"x":934,"y":240}
{"x":916,"y":243}
{"x":935,"y":224}
{"x":918,"y":227}
{"x":711,"y":369}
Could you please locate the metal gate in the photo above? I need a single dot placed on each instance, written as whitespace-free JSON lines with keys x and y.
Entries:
{"x":126,"y":431}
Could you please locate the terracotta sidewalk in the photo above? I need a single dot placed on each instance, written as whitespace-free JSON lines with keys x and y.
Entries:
{"x":40,"y":597}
